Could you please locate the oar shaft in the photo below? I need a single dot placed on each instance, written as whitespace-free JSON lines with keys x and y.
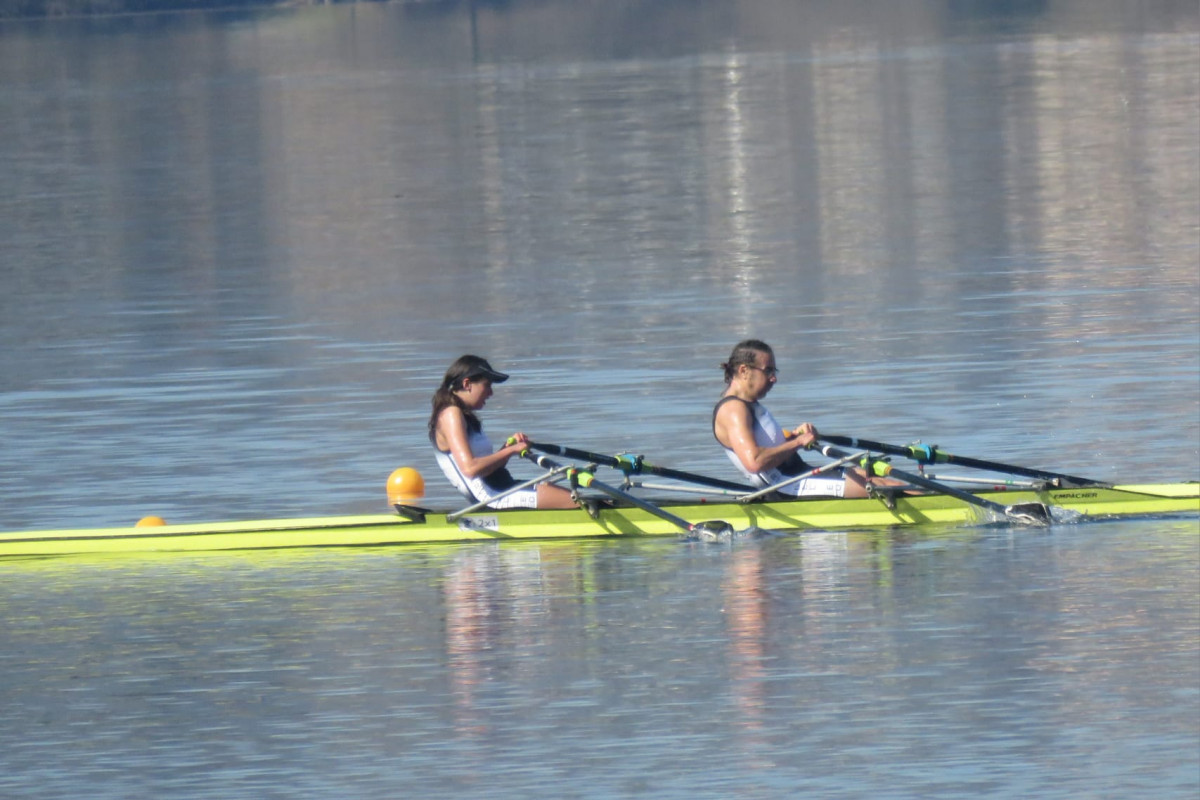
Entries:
{"x":635,"y":466}
{"x":674,"y":487}
{"x":812,"y":473}
{"x":613,"y":491}
{"x":590,"y":482}
{"x":551,"y":476}
{"x":928,"y":454}
{"x":578,"y":455}
{"x":1007,"y":483}
{"x":925,"y":483}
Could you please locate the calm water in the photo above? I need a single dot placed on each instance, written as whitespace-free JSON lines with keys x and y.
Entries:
{"x":240,"y":249}
{"x":941,"y":664}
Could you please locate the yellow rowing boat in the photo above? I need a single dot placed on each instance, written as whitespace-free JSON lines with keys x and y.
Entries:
{"x":413,"y":525}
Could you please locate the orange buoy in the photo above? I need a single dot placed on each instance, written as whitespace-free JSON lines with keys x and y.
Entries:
{"x":405,"y":485}
{"x":147,"y":522}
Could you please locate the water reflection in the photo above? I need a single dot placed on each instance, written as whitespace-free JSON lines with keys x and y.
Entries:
{"x":455,"y":665}
{"x":747,"y":612}
{"x":495,"y":602}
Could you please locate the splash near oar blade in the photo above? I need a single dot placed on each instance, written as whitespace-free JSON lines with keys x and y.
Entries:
{"x":713,"y":529}
{"x":1030,"y":513}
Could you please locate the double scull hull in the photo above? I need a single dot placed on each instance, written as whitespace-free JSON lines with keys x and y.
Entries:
{"x":797,"y":515}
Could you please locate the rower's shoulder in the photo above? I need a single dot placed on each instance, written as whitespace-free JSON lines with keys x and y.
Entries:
{"x":728,"y":414}
{"x":451,"y":423}
{"x":741,"y":406}
{"x":725,"y":398}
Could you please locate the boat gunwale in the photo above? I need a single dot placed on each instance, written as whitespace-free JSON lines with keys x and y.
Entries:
{"x":787,"y":510}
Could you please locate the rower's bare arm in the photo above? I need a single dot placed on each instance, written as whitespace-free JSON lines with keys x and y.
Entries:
{"x":735,"y":429}
{"x":452,"y":435}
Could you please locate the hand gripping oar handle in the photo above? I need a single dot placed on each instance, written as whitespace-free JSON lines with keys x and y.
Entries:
{"x":634,"y":465}
{"x":929,"y":454}
{"x":588,"y":481}
{"x":1029,"y":513}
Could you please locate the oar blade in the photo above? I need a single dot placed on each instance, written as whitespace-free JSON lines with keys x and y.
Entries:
{"x":1036,"y":514}
{"x":713,"y":530}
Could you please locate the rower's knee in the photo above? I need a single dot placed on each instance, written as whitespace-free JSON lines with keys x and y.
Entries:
{"x":855,"y":484}
{"x":554,"y":497}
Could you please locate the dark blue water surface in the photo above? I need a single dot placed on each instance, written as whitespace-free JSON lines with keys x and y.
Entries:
{"x":239,"y":250}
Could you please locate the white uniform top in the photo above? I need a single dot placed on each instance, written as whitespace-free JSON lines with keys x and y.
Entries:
{"x":484,"y":487}
{"x":768,"y":433}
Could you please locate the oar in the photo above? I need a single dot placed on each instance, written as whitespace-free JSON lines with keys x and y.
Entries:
{"x":588,"y":481}
{"x":929,"y":454}
{"x":675,"y":487}
{"x":797,"y":478}
{"x":635,"y":465}
{"x":998,"y":483}
{"x":552,"y":476}
{"x":1028,"y":513}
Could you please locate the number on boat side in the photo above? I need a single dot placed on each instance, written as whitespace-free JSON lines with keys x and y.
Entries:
{"x":478,"y":524}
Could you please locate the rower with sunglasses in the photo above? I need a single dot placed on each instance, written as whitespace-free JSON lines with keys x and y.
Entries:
{"x":758,"y":446}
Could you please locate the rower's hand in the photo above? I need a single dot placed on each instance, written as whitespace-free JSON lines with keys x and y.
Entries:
{"x":518,"y":444}
{"x":805,"y":436}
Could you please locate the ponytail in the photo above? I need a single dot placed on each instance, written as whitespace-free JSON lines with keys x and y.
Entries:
{"x":745,"y":352}
{"x":445,"y":397}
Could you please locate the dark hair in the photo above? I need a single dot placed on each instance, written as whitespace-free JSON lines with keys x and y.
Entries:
{"x":464,"y":367}
{"x":745,"y":352}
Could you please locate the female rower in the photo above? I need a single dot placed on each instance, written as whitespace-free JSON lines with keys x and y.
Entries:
{"x":755,"y":442}
{"x":466,"y":454}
